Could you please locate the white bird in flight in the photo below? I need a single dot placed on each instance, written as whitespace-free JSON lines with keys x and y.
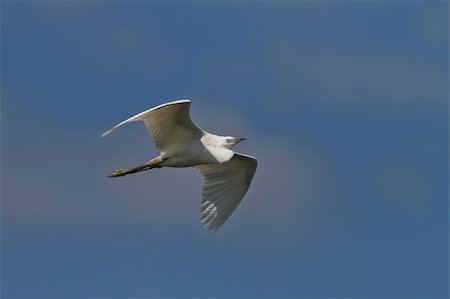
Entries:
{"x":182,"y":144}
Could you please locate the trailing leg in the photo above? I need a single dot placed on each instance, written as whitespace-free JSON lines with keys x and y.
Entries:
{"x":154,"y":163}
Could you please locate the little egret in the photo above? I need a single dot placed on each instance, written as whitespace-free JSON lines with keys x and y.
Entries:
{"x":182,"y":144}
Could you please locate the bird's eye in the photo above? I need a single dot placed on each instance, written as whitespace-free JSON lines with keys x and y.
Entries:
{"x":229,"y":140}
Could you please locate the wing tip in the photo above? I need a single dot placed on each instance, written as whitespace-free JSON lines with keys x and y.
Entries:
{"x":209,"y":217}
{"x":108,"y":132}
{"x":211,"y":227}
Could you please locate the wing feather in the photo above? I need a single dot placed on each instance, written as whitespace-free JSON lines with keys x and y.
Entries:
{"x":224,"y":187}
{"x":169,"y":124}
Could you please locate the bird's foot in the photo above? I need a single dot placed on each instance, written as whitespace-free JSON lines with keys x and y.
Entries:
{"x":118,"y":172}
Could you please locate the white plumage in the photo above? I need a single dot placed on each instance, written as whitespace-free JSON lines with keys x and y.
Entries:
{"x":182,"y":144}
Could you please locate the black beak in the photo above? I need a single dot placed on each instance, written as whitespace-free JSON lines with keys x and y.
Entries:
{"x":240,"y":139}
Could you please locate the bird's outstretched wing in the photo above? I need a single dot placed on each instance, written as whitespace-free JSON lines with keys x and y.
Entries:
{"x":224,"y":187}
{"x":169,"y":124}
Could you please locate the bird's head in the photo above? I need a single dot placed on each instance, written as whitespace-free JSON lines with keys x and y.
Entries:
{"x":232,"y":141}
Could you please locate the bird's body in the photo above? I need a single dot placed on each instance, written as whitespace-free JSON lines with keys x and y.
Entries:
{"x":205,"y":150}
{"x":182,"y":144}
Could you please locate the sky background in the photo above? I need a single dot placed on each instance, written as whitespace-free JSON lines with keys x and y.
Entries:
{"x":346,"y":107}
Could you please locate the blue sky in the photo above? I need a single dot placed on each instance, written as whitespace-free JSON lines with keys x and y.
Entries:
{"x":346,"y":107}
